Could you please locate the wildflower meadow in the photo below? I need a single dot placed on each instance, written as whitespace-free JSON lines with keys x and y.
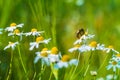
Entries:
{"x":59,"y":40}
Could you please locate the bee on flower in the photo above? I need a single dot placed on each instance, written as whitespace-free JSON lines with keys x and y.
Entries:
{"x":55,"y":55}
{"x":12,"y":45}
{"x":13,"y":26}
{"x":82,"y":36}
{"x":110,"y":48}
{"x":38,"y":41}
{"x":43,"y":55}
{"x":65,"y":62}
{"x":34,"y":32}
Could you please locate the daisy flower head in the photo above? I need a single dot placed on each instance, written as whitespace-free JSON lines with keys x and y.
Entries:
{"x":93,"y":73}
{"x":43,"y":55}
{"x":12,"y":45}
{"x":83,"y":38}
{"x":13,"y":26}
{"x":34,"y":32}
{"x":66,"y":61}
{"x":116,"y":57}
{"x":93,"y":45}
{"x":111,"y":77}
{"x":113,"y":64}
{"x":38,"y":41}
{"x":110,"y":48}
{"x":54,"y":55}
{"x":75,"y":48}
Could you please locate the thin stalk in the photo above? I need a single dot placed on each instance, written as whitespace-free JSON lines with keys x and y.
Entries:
{"x":75,"y":67}
{"x":50,"y":76}
{"x":89,"y":61}
{"x":21,"y":60}
{"x":42,"y":71}
{"x":10,"y":70}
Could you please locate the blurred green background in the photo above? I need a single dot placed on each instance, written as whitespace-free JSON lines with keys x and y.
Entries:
{"x":60,"y":19}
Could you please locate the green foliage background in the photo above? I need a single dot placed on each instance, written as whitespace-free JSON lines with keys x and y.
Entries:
{"x":60,"y":20}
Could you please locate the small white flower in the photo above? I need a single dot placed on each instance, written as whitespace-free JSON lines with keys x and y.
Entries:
{"x":113,"y":64}
{"x":100,"y":47}
{"x":75,"y":48}
{"x":12,"y":45}
{"x":101,"y":78}
{"x":13,"y":26}
{"x":110,"y":48}
{"x":93,"y":73}
{"x":34,"y":32}
{"x":85,"y":48}
{"x":66,"y":62}
{"x":54,"y":57}
{"x":43,"y":55}
{"x":38,"y":41}
{"x":111,"y":77}
{"x":83,"y":38}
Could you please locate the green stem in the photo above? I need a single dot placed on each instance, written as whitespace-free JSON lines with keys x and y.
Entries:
{"x":75,"y":67}
{"x":103,"y":63}
{"x":50,"y":75}
{"x":21,"y":59}
{"x":10,"y":70}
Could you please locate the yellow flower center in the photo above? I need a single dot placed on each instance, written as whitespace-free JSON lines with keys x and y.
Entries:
{"x":38,"y":39}
{"x":86,"y":33}
{"x":114,"y":63}
{"x":10,"y":43}
{"x":93,"y":44}
{"x":44,"y":54}
{"x":16,"y":31}
{"x":110,"y":46}
{"x":13,"y":24}
{"x":54,"y":50}
{"x":77,"y":46}
{"x":118,"y":55}
{"x":65,"y":58}
{"x":33,"y":30}
{"x":44,"y":49}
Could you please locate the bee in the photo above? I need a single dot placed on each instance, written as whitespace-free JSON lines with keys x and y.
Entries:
{"x":80,"y":33}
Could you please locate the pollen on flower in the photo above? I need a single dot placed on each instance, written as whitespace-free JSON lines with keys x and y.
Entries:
{"x":118,"y":55}
{"x":65,"y":58}
{"x":16,"y":31}
{"x":54,"y":50}
{"x":44,"y":49}
{"x":44,"y":54}
{"x":114,"y":63}
{"x":110,"y":46}
{"x":77,"y":45}
{"x":38,"y":39}
{"x":13,"y":24}
{"x":33,"y":30}
{"x":93,"y":44}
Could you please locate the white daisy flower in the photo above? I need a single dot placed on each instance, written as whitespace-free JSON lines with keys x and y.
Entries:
{"x":66,"y":62}
{"x":101,"y":78}
{"x":17,"y":33}
{"x":110,"y":48}
{"x":84,"y":38}
{"x":43,"y":55}
{"x":111,"y":77}
{"x":38,"y":41}
{"x":75,"y":48}
{"x":93,"y":73}
{"x":34,"y":32}
{"x":113,"y":64}
{"x":116,"y":57}
{"x":54,"y":55}
{"x":12,"y":45}
{"x":84,"y":48}
{"x":13,"y":26}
